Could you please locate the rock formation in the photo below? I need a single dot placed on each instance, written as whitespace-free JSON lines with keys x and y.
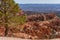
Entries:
{"x":37,"y":26}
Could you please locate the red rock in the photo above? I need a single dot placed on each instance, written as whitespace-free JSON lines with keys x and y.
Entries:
{"x":2,"y":31}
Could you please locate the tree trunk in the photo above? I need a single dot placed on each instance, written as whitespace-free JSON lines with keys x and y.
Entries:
{"x":6,"y":23}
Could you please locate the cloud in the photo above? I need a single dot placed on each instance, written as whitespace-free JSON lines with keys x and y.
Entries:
{"x":38,"y":1}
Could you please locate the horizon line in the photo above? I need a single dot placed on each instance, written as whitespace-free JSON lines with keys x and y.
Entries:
{"x":28,"y":3}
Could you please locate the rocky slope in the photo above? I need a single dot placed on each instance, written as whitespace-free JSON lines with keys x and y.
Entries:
{"x":37,"y":26}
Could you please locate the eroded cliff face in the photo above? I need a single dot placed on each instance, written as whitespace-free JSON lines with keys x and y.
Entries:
{"x":37,"y":26}
{"x":43,"y":29}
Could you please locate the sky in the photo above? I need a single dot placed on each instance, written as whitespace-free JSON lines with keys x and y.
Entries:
{"x":38,"y":1}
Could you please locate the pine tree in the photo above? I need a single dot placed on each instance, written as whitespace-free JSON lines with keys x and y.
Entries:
{"x":8,"y":11}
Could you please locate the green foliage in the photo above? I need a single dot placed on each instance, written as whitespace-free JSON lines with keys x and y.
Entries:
{"x":8,"y":11}
{"x":17,"y":20}
{"x":9,"y":6}
{"x":0,"y":14}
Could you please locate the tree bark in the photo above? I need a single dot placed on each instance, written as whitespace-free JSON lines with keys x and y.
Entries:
{"x":6,"y":23}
